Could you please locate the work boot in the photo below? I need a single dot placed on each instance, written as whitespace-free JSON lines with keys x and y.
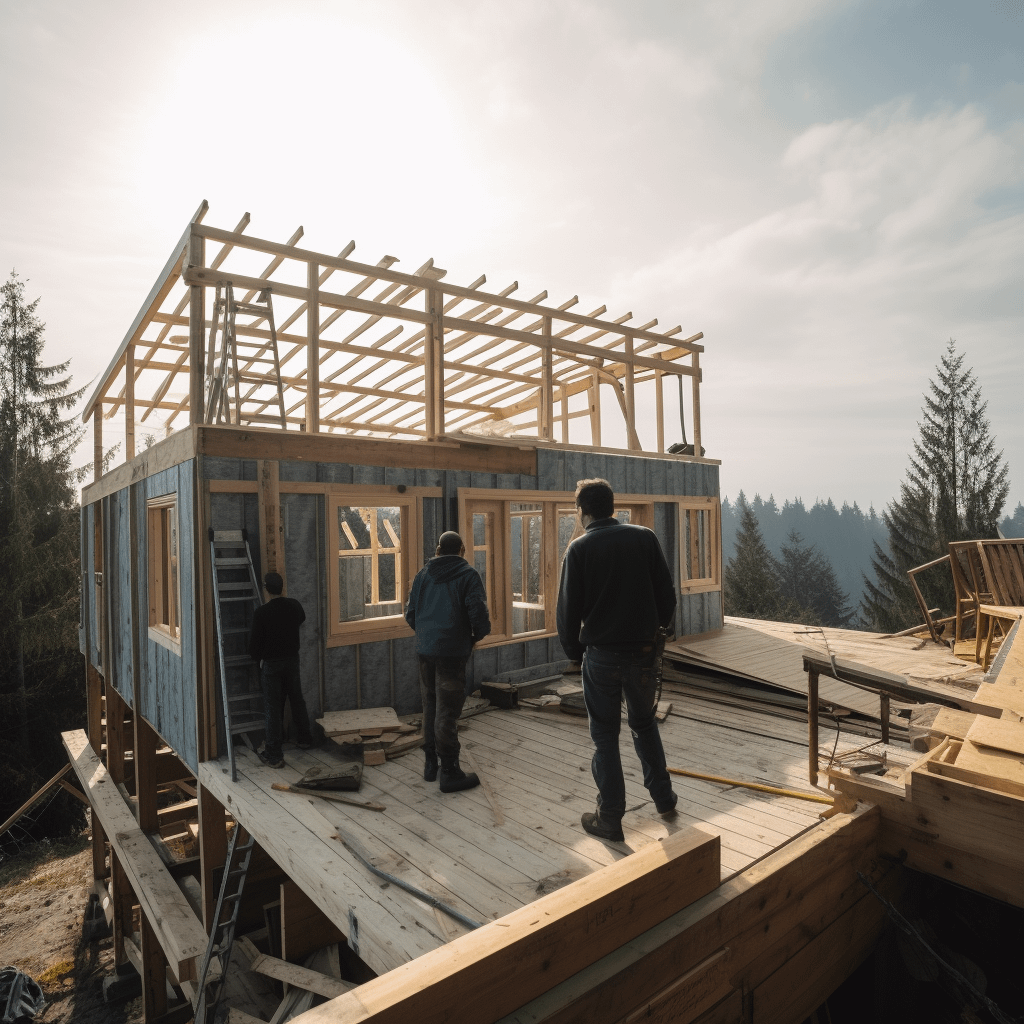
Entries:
{"x":429,"y":765}
{"x":593,"y":823}
{"x":668,"y":810}
{"x":453,"y":778}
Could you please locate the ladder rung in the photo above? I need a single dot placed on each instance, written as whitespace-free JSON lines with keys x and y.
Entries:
{"x":232,"y":560}
{"x":251,"y":726}
{"x":232,"y":630}
{"x":224,"y":536}
{"x":231,"y":600}
{"x":235,"y":586}
{"x":257,"y":418}
{"x":238,"y":659}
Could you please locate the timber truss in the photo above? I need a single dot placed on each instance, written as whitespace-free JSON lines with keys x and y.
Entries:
{"x":366,"y":350}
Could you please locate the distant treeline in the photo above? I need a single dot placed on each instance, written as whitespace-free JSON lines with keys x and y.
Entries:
{"x":845,"y":536}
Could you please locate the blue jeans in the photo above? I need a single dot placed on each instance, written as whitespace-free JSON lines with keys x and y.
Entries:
{"x":608,"y":674}
{"x":280,"y":679}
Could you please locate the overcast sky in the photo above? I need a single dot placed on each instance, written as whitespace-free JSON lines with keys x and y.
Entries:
{"x":828,"y":190}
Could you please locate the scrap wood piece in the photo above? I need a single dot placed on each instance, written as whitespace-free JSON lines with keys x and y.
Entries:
{"x":499,"y":817}
{"x":300,"y":977}
{"x":400,"y":747}
{"x":336,"y":723}
{"x":283,"y":787}
{"x":997,"y":733}
{"x":236,"y":1016}
{"x":664,"y":710}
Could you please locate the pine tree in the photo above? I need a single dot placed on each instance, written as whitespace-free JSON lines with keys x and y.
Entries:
{"x":808,"y":582}
{"x":954,"y":489}
{"x":39,"y":541}
{"x":751,"y":576}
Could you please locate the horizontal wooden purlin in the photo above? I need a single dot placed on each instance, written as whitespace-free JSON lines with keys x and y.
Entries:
{"x":194,"y":275}
{"x":478,"y":455}
{"x":178,"y":930}
{"x":384,"y":274}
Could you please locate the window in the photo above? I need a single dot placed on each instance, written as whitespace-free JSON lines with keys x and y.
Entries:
{"x":518,"y":542}
{"x":370,"y":567}
{"x":164,"y":592}
{"x":700,"y":546}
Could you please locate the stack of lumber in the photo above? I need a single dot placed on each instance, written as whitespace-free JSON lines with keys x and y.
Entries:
{"x":374,"y":733}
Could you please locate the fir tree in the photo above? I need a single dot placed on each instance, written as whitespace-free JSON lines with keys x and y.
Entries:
{"x":954,"y":489}
{"x":751,"y":577}
{"x":39,"y":541}
{"x":808,"y":582}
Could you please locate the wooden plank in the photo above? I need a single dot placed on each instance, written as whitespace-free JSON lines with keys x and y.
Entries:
{"x":805,"y":885}
{"x":165,"y":454}
{"x":304,"y":926}
{"x":998,"y":734}
{"x":337,"y":723}
{"x":300,"y":977}
{"x":313,"y":349}
{"x":496,"y":968}
{"x":178,"y":931}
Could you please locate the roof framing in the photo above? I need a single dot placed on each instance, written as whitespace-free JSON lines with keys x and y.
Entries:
{"x":382,"y":353}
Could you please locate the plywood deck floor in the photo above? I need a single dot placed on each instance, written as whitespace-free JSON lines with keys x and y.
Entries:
{"x":538,"y":765}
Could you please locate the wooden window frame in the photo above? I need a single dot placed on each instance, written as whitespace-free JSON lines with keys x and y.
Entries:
{"x":164,"y":571}
{"x":553,"y":504}
{"x":713,"y":507}
{"x":344,"y":634}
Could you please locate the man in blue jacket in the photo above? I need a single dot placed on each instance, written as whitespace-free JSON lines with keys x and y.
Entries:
{"x":448,"y":610}
{"x":615,"y":592}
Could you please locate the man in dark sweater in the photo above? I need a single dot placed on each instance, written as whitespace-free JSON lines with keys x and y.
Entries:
{"x":615,"y":592}
{"x":448,"y":610}
{"x":274,"y":645}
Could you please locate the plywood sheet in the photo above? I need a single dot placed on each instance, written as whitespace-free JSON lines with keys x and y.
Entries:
{"x":998,"y":734}
{"x":336,"y":723}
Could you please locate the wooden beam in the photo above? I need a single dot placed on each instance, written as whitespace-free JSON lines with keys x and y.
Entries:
{"x":695,"y":392}
{"x":595,"y":409}
{"x":146,"y":744}
{"x":129,"y":403}
{"x":97,"y":442}
{"x":213,"y":848}
{"x":271,"y":531}
{"x":313,"y":350}
{"x":547,"y":413}
{"x":300,"y":977}
{"x":177,"y":929}
{"x":495,"y":969}
{"x":196,"y":347}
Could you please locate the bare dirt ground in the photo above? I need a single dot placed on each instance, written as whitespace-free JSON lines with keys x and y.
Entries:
{"x":43,"y":896}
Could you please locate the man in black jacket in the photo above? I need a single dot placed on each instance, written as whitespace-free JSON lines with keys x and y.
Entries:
{"x":274,"y":645}
{"x":615,"y":592}
{"x":448,"y":610}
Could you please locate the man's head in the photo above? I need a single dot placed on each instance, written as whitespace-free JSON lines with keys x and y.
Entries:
{"x":595,"y":498}
{"x":450,"y":543}
{"x":274,"y":584}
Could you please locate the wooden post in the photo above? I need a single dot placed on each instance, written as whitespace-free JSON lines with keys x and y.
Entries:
{"x":546,"y":409}
{"x":659,"y":410}
{"x":146,"y":743}
{"x":313,"y":350}
{"x":883,"y":701}
{"x":94,"y":706}
{"x":812,"y":722}
{"x":632,"y":440}
{"x":116,"y":709}
{"x":429,"y":380}
{"x":196,"y":349}
{"x":213,"y":848}
{"x":129,"y":403}
{"x":595,"y":409}
{"x":97,"y":441}
{"x":206,"y":680}
{"x":695,"y":382}
{"x":271,"y":539}
{"x":154,"y":973}
{"x":564,"y":392}
{"x":122,"y":900}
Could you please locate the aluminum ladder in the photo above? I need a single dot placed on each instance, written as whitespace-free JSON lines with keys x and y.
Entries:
{"x":236,"y":596}
{"x":210,"y":986}
{"x":244,"y":377}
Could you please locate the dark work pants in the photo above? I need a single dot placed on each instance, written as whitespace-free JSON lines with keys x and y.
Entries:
{"x":608,"y":675}
{"x":443,"y":689}
{"x":280,"y":679}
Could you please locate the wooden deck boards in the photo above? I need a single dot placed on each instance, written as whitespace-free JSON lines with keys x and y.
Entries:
{"x":538,"y":765}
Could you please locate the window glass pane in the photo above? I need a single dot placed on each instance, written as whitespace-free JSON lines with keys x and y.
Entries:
{"x":526,"y":538}
{"x":569,"y":527}
{"x":483,"y":550}
{"x":622,"y":514}
{"x":696,"y":544}
{"x":369,"y":556}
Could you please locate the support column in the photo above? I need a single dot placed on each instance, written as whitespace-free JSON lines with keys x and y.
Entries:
{"x":97,"y":441}
{"x":154,"y":974}
{"x":146,"y":744}
{"x":213,"y":848}
{"x":195,"y":257}
{"x":116,"y":746}
{"x":595,"y":409}
{"x":632,"y":439}
{"x":695,"y":381}
{"x":313,"y":350}
{"x":564,"y":395}
{"x":122,"y":900}
{"x":129,"y":403}
{"x":546,"y":407}
{"x":433,"y":365}
{"x":659,"y":410}
{"x":271,"y":534}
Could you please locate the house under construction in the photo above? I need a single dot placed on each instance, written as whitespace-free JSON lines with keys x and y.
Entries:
{"x":328,"y":419}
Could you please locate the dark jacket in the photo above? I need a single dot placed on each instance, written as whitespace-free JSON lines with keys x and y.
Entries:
{"x":275,"y":629}
{"x":616,"y":588}
{"x":447,"y":608}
